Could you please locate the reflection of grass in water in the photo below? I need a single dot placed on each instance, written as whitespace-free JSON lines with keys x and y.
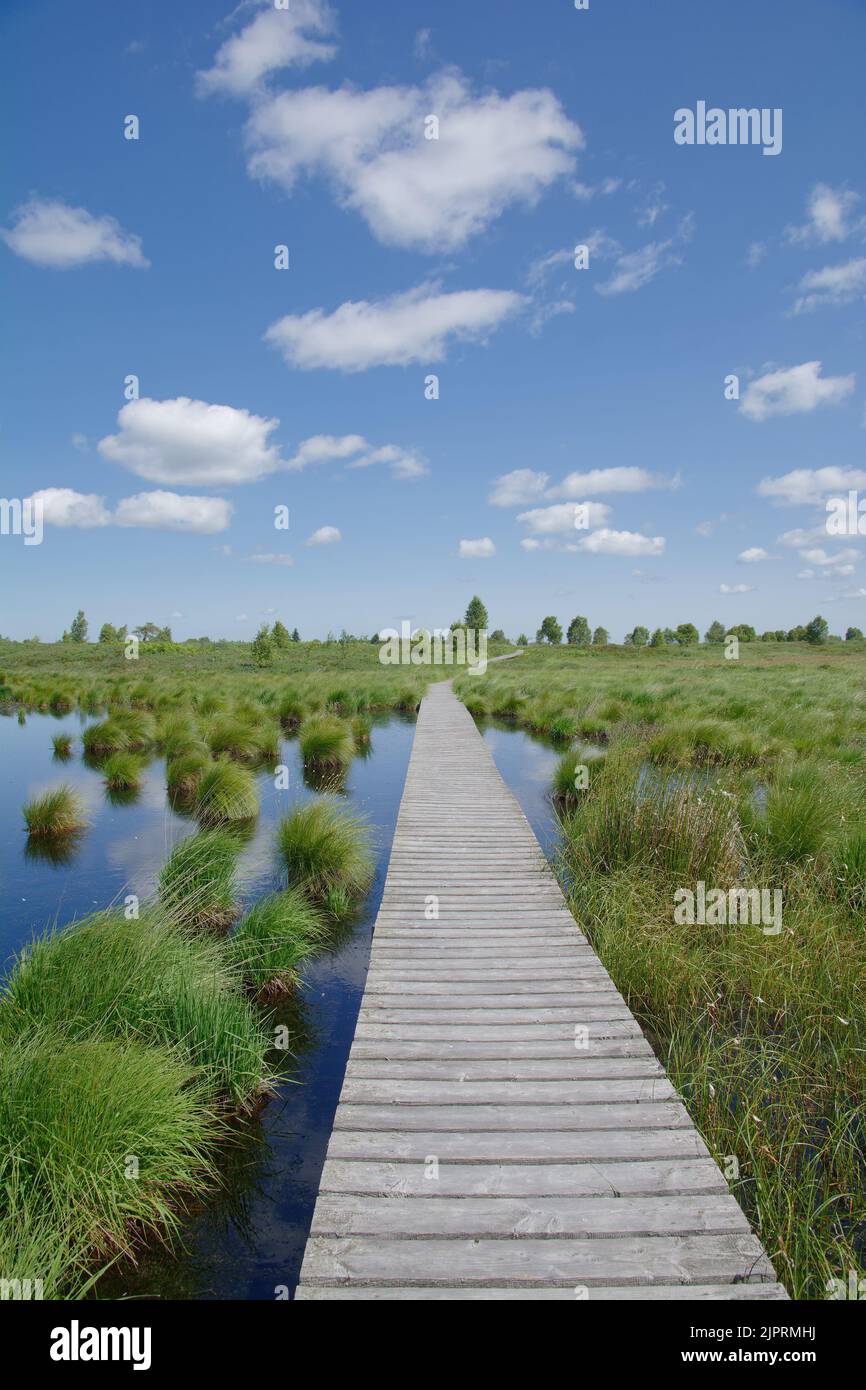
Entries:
{"x":58,"y":852}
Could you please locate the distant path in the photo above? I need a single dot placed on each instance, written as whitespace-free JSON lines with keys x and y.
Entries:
{"x":561,"y":1168}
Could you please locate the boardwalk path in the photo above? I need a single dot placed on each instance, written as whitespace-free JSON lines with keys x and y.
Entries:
{"x":480,"y":1149}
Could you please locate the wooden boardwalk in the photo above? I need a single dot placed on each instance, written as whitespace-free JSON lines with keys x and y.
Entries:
{"x":504,"y":1129}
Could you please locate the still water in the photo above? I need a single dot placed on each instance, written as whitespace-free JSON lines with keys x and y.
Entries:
{"x":248,"y":1241}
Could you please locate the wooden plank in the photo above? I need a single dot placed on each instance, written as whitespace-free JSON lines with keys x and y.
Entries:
{"x":504,"y":1130}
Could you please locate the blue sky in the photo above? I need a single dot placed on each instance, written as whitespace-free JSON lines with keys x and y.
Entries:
{"x":305,"y":387}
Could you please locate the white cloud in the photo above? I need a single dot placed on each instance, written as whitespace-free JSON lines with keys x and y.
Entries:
{"x":828,"y":217}
{"x":756,"y":253}
{"x":806,"y":574}
{"x":606,"y":542}
{"x":809,"y":487}
{"x":356,"y":452}
{"x":50,"y":233}
{"x":275,"y":39}
{"x":793,"y":391}
{"x":559,"y":519}
{"x":162,"y":511}
{"x":835,"y":284}
{"x":80,"y":442}
{"x":188,"y":442}
{"x":405,"y":464}
{"x":736,"y":588}
{"x":611,"y":480}
{"x":167,"y":511}
{"x":635,"y":269}
{"x":430,"y":194}
{"x":262,"y":558}
{"x":481,"y":549}
{"x":753,"y":555}
{"x":415,"y":326}
{"x":820,"y":557}
{"x":585,"y":191}
{"x":518,"y":487}
{"x":61,"y":506}
{"x":326,"y":535}
{"x":326,"y":448}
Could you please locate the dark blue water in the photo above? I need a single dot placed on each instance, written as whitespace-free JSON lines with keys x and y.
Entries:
{"x":248,"y":1241}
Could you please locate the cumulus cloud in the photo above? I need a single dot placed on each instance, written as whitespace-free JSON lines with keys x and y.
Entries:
{"x":804,"y":487}
{"x":187,"y":441}
{"x":753,"y":556}
{"x":290,"y":37}
{"x":559,"y":519}
{"x":480,"y":549}
{"x":794,"y":391}
{"x":607,"y":542}
{"x":842,"y":558}
{"x":415,"y":326}
{"x":53,"y":234}
{"x":598,"y":480}
{"x":736,"y":588}
{"x":167,"y":511}
{"x":162,"y":511}
{"x":518,"y":487}
{"x":356,"y":452}
{"x":835,"y":284}
{"x":413,"y":191}
{"x":828,"y":216}
{"x":61,"y":506}
{"x":326,"y":535}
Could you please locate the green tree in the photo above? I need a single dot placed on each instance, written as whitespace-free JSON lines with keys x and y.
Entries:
{"x":768,"y":636}
{"x":853,"y":634}
{"x":523,"y":640}
{"x":78,"y":628}
{"x":715,"y":633}
{"x":658,"y":638}
{"x":744,"y":631}
{"x":579,"y":633}
{"x":687,"y":634}
{"x":498,"y":635}
{"x":600,"y":637}
{"x":639,"y":637}
{"x":817,"y":631}
{"x":147,"y":632}
{"x":476,"y":615}
{"x":108,"y":633}
{"x":550,"y":631}
{"x":280,"y":635}
{"x":796,"y":634}
{"x":262,"y":647}
{"x":296,"y":636}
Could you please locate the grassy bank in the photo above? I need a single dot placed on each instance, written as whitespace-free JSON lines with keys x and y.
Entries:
{"x":738,"y":774}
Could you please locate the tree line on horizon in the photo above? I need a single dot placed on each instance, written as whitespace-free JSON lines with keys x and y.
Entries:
{"x":579,"y":633}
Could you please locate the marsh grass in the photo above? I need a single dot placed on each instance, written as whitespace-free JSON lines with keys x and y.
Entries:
{"x":147,"y":979}
{"x":226,"y":794}
{"x":326,"y":744}
{"x":73,"y":1113}
{"x":55,"y":814}
{"x":325,"y":848}
{"x":62,"y":746}
{"x":123,"y":772}
{"x":274,"y":937}
{"x":184,"y":772}
{"x":197,"y":885}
